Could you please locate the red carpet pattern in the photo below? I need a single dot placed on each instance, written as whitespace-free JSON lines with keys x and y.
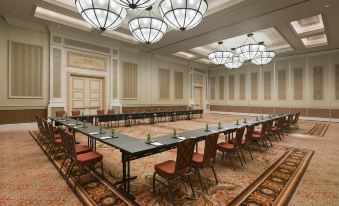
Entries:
{"x":319,"y":129}
{"x":276,"y":186}
{"x":92,"y":189}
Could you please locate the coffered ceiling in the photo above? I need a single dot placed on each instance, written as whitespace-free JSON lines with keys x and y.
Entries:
{"x":287,"y":26}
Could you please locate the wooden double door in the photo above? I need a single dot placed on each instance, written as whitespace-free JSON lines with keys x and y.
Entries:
{"x":85,"y":94}
{"x":198,"y":97}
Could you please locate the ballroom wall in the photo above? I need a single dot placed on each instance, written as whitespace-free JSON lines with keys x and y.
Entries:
{"x":36,"y":63}
{"x":307,"y":83}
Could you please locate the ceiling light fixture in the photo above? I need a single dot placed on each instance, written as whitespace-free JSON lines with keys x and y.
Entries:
{"x":183,"y":14}
{"x":147,"y":29}
{"x":136,"y":4}
{"x":101,"y":14}
{"x":251,"y":49}
{"x":265,"y":58}
{"x":221,"y":55}
{"x":235,"y":61}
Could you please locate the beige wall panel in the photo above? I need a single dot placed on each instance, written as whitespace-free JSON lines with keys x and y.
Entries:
{"x":94,"y":84}
{"x":267,"y":85}
{"x":254,"y":86}
{"x":94,"y":103}
{"x":94,"y":95}
{"x":25,"y":70}
{"x":86,"y":61}
{"x":298,"y":84}
{"x":318,"y":83}
{"x":78,"y":103}
{"x":242,"y":86}
{"x":78,"y":83}
{"x":221,"y":87}
{"x":336,"y":88}
{"x":164,"y":78}
{"x":78,"y":95}
{"x":282,"y":84}
{"x":231,"y":86}
{"x":212,"y":88}
{"x":198,"y":79}
{"x":179,"y":85}
{"x":71,"y":42}
{"x":130,"y":80}
{"x":115,"y":79}
{"x":56,"y":73}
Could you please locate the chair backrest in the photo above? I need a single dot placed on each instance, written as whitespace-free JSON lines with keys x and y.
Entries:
{"x":46,"y":129}
{"x":264,"y":128}
{"x":269,"y":126}
{"x":51,"y":131}
{"x":60,"y":113}
{"x":110,"y":111}
{"x":239,"y":135}
{"x":70,"y":145}
{"x":76,"y":113}
{"x":296,"y":119}
{"x":100,"y":111}
{"x":210,"y":148}
{"x":184,"y":156}
{"x":39,"y":122}
{"x":249,"y":132}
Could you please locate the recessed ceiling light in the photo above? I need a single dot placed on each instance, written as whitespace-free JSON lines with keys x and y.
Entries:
{"x":314,"y":41}
{"x":307,"y":25}
{"x":120,"y":36}
{"x":184,"y":55}
{"x":56,"y":17}
{"x":327,"y":5}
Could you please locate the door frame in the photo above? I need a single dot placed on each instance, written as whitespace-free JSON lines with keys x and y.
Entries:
{"x":201,"y":97}
{"x":102,"y":77}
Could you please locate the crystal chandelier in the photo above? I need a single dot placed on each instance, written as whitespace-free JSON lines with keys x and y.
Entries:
{"x":221,"y":55}
{"x":235,"y":61}
{"x":101,"y":14}
{"x":183,"y":14}
{"x":251,"y":49}
{"x":136,"y":4}
{"x":147,"y":29}
{"x":265,"y":58}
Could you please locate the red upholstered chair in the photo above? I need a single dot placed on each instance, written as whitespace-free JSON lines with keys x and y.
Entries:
{"x":41,"y":131}
{"x":100,"y":112}
{"x":201,"y":161}
{"x":110,"y":111}
{"x":60,"y":113}
{"x":79,"y":149}
{"x":229,"y":148}
{"x":295,"y":125}
{"x":83,"y":161}
{"x":174,"y":170}
{"x":76,"y":113}
{"x":260,"y":136}
{"x":245,"y":143}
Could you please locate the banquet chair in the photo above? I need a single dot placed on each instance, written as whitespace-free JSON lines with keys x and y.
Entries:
{"x":76,"y":113}
{"x":83,"y":161}
{"x":245,"y":143}
{"x":173,"y":171}
{"x":229,"y":148}
{"x":207,"y":159}
{"x":259,"y":137}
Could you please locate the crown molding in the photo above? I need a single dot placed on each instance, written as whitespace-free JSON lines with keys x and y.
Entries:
{"x":15,"y":21}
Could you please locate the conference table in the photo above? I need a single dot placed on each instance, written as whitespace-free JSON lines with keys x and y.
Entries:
{"x":132,"y":148}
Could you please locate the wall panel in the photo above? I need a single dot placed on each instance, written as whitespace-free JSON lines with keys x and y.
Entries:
{"x":56,"y":73}
{"x":231,"y":87}
{"x":242,"y":86}
{"x":179,"y":85}
{"x":221,"y":87}
{"x":130,"y":80}
{"x":164,"y":77}
{"x":212,"y":88}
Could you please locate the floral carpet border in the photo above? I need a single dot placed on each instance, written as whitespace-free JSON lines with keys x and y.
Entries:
{"x":277,"y":184}
{"x":319,"y":129}
{"x":93,"y":190}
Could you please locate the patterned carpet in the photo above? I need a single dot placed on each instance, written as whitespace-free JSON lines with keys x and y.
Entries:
{"x":92,"y":189}
{"x":319,"y":186}
{"x":319,"y":129}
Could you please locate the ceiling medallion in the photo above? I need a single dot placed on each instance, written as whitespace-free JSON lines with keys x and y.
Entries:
{"x":183,"y":14}
{"x":136,"y":4}
{"x":221,"y":55}
{"x":101,"y":14}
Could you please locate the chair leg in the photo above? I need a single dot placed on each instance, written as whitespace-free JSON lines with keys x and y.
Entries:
{"x":171,"y":191}
{"x":102,"y":169}
{"x":70,"y":171}
{"x":215,"y":175}
{"x":154,"y":174}
{"x":249,"y":151}
{"x":77,"y":180}
{"x":231,"y":160}
{"x":239,"y":158}
{"x":63,"y":162}
{"x":190,"y":182}
{"x":243,"y":156}
{"x":198,"y":173}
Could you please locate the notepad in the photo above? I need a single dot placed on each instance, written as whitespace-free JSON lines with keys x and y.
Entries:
{"x":105,"y":137}
{"x":92,"y":133}
{"x":71,"y":124}
{"x":61,"y":120}
{"x":192,"y":137}
{"x":213,"y":131}
{"x":181,"y":138}
{"x":156,"y":143}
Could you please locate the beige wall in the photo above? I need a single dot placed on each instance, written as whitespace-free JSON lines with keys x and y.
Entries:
{"x":30,"y":37}
{"x":282,"y":89}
